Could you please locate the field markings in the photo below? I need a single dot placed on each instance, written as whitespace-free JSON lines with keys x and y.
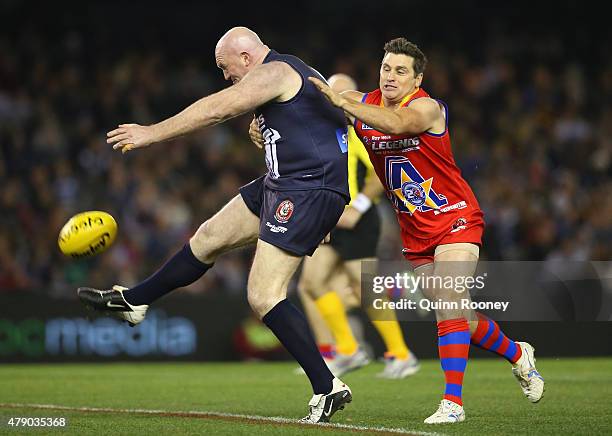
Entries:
{"x":252,"y":419}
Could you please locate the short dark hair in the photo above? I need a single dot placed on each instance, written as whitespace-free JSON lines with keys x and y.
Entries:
{"x":405,"y":47}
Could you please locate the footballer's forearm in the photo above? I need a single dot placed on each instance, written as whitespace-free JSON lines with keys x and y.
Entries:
{"x":205,"y":112}
{"x":372,"y":188}
{"x":264,"y":83}
{"x":382,"y":119}
{"x":386,"y":120}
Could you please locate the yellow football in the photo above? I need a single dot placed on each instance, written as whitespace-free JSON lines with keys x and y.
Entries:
{"x":87,"y":234}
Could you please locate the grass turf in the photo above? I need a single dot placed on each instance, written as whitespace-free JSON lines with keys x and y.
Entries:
{"x":577,"y":399}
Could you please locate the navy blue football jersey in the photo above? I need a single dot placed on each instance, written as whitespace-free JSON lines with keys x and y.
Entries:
{"x":305,"y":138}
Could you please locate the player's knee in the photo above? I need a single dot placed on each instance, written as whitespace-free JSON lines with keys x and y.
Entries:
{"x":305,"y":285}
{"x":312,"y":286}
{"x":473,"y":325}
{"x":205,"y":243}
{"x":448,"y":304}
{"x":262,"y":301}
{"x":257,"y":303}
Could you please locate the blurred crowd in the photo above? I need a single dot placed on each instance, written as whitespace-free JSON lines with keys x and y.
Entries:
{"x":531,"y":130}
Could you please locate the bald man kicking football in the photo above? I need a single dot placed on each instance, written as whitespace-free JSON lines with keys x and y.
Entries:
{"x":286,"y":213}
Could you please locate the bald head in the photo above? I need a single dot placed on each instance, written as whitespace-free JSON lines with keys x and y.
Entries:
{"x":341,"y":83}
{"x":239,"y":50}
{"x":239,"y":39}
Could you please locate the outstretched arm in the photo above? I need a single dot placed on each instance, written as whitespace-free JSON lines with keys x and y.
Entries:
{"x":264,"y":83}
{"x":414,"y":120}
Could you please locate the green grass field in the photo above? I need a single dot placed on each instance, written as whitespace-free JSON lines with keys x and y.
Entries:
{"x":577,"y":400}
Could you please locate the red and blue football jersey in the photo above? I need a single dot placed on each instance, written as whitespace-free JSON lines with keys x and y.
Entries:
{"x":430,"y":196}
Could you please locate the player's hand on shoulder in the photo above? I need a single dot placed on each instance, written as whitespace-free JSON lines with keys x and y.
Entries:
{"x":255,"y":134}
{"x":130,"y":136}
{"x":333,"y":97}
{"x":349,"y":218}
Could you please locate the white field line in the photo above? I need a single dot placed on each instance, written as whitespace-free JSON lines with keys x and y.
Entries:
{"x":217,"y":415}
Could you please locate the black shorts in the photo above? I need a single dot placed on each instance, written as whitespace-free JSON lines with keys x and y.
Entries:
{"x":362,"y":241}
{"x":295,"y":221}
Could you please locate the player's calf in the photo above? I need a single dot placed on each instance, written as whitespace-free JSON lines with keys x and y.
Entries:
{"x":453,"y":347}
{"x":488,"y":336}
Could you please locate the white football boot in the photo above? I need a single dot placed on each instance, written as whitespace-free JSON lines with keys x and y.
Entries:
{"x":343,"y":363}
{"x":323,"y":406}
{"x":448,"y":412}
{"x":399,"y":368}
{"x":112,"y":303}
{"x":527,"y":375}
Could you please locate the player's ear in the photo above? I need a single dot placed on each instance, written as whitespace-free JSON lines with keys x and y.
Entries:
{"x":246,"y":58}
{"x":419,"y":79}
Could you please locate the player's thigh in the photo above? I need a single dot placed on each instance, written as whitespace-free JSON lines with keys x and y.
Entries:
{"x":454,"y":264}
{"x":456,"y":260}
{"x":425,"y":270}
{"x":232,"y":227}
{"x":422,"y":273}
{"x":317,"y":271}
{"x":269,"y":278}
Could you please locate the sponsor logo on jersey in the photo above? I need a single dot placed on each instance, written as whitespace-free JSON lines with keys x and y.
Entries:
{"x":460,"y":224}
{"x":284,"y":211}
{"x":460,"y":205}
{"x":414,"y":193}
{"x":275,"y":229}
{"x":342,"y":137}
{"x":410,"y":191}
{"x":406,"y":144}
{"x":364,"y":126}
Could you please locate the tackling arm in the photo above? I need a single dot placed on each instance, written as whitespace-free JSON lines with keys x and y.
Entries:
{"x":416,"y":119}
{"x":355,"y":96}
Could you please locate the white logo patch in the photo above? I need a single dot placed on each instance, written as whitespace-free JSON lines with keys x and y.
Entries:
{"x":275,"y":229}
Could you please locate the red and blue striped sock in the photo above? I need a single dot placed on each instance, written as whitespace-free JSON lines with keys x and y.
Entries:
{"x":454,"y":348}
{"x":489,"y":336}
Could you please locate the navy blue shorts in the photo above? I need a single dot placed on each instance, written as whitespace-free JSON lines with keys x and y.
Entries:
{"x":295,"y":221}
